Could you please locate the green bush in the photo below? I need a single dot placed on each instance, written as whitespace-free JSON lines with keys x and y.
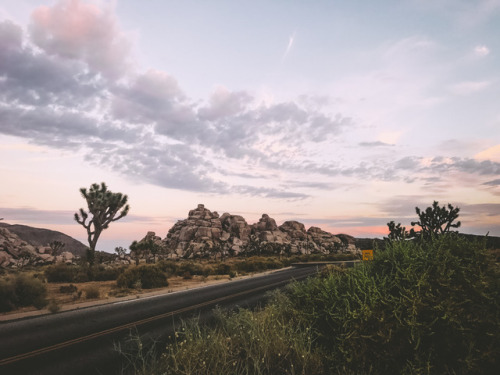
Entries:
{"x":167,"y":266}
{"x":30,"y":292}
{"x":222,"y":269}
{"x":102,"y":273}
{"x":22,"y":291}
{"x":147,"y":276}
{"x":61,"y":272}
{"x":417,"y":308}
{"x":256,"y":264}
{"x":7,"y":296}
{"x":192,"y":268}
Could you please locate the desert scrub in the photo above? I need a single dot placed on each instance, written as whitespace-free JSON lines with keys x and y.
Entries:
{"x":243,"y":342}
{"x":21,"y":291}
{"x":92,"y":292}
{"x":421,"y":308}
{"x":143,"y":276}
{"x":61,"y":273}
{"x":417,"y":308}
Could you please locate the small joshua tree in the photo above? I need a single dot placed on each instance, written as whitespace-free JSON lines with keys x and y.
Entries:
{"x":397,"y":232}
{"x":104,"y":207}
{"x":120,"y":251}
{"x":435,"y":220}
{"x":56,"y":247}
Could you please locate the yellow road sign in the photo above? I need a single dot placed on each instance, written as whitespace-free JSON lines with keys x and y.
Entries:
{"x":367,"y":254}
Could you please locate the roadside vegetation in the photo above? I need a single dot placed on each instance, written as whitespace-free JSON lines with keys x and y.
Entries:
{"x":429,"y":305}
{"x":418,"y":308}
{"x":61,"y":284}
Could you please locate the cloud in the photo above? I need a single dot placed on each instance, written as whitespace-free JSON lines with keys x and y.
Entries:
{"x":78,"y":30}
{"x":481,"y":51}
{"x":491,"y":153}
{"x":487,"y":209}
{"x":29,"y":214}
{"x":270,"y":193}
{"x":469,"y":87}
{"x":374,"y":144}
{"x":59,"y":87}
{"x":493,"y":182}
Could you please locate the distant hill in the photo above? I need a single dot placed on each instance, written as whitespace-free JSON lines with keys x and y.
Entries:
{"x":42,"y":237}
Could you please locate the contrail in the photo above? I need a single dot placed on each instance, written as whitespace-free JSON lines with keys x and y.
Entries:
{"x":289,"y":46}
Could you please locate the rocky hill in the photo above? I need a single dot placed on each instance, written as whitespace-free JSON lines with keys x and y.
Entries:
{"x":204,"y":233}
{"x":16,"y":252}
{"x":39,"y":237}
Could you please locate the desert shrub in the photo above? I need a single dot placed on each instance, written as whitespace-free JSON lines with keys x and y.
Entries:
{"x":62,"y":272}
{"x":92,"y":292}
{"x":243,"y":342}
{"x":102,"y":273}
{"x":192,"y":268}
{"x":256,"y":264}
{"x":53,"y":306}
{"x":68,"y":288}
{"x":7,"y":296}
{"x":417,"y":308}
{"x":29,"y":292}
{"x":149,"y":276}
{"x":167,"y":266}
{"x":222,"y":269}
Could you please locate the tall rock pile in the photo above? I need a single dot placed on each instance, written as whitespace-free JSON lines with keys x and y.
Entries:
{"x":204,"y":233}
{"x":191,"y":236}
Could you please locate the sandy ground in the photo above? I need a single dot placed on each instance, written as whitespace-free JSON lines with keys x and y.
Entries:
{"x":110,"y":294}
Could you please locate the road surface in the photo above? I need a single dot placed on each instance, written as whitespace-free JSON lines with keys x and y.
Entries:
{"x":83,"y":341}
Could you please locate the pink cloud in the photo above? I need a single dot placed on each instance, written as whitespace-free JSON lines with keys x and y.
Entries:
{"x":79,"y":30}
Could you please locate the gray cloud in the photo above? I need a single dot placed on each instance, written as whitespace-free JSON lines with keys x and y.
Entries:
{"x":61,"y":90}
{"x":488,"y":209}
{"x":493,"y":182}
{"x":375,"y":144}
{"x":269,"y":193}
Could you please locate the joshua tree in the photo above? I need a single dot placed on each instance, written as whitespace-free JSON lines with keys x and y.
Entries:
{"x":104,"y":206}
{"x":56,"y":247}
{"x":120,"y":251}
{"x":397,"y":232}
{"x":138,"y":249}
{"x":435,"y":220}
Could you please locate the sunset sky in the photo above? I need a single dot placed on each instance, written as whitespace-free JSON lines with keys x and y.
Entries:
{"x":339,"y":114}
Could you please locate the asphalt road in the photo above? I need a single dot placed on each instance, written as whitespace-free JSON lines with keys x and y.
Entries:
{"x":83,"y":341}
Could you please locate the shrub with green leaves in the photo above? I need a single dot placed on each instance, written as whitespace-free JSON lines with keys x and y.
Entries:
{"x":417,"y":308}
{"x":61,"y":272}
{"x":244,"y":342}
{"x":145,"y":276}
{"x":22,"y":291}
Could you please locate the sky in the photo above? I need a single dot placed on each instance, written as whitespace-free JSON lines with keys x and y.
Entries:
{"x":338,"y":114}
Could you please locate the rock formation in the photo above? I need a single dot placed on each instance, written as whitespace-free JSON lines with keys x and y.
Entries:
{"x":204,"y":233}
{"x":17,"y":253}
